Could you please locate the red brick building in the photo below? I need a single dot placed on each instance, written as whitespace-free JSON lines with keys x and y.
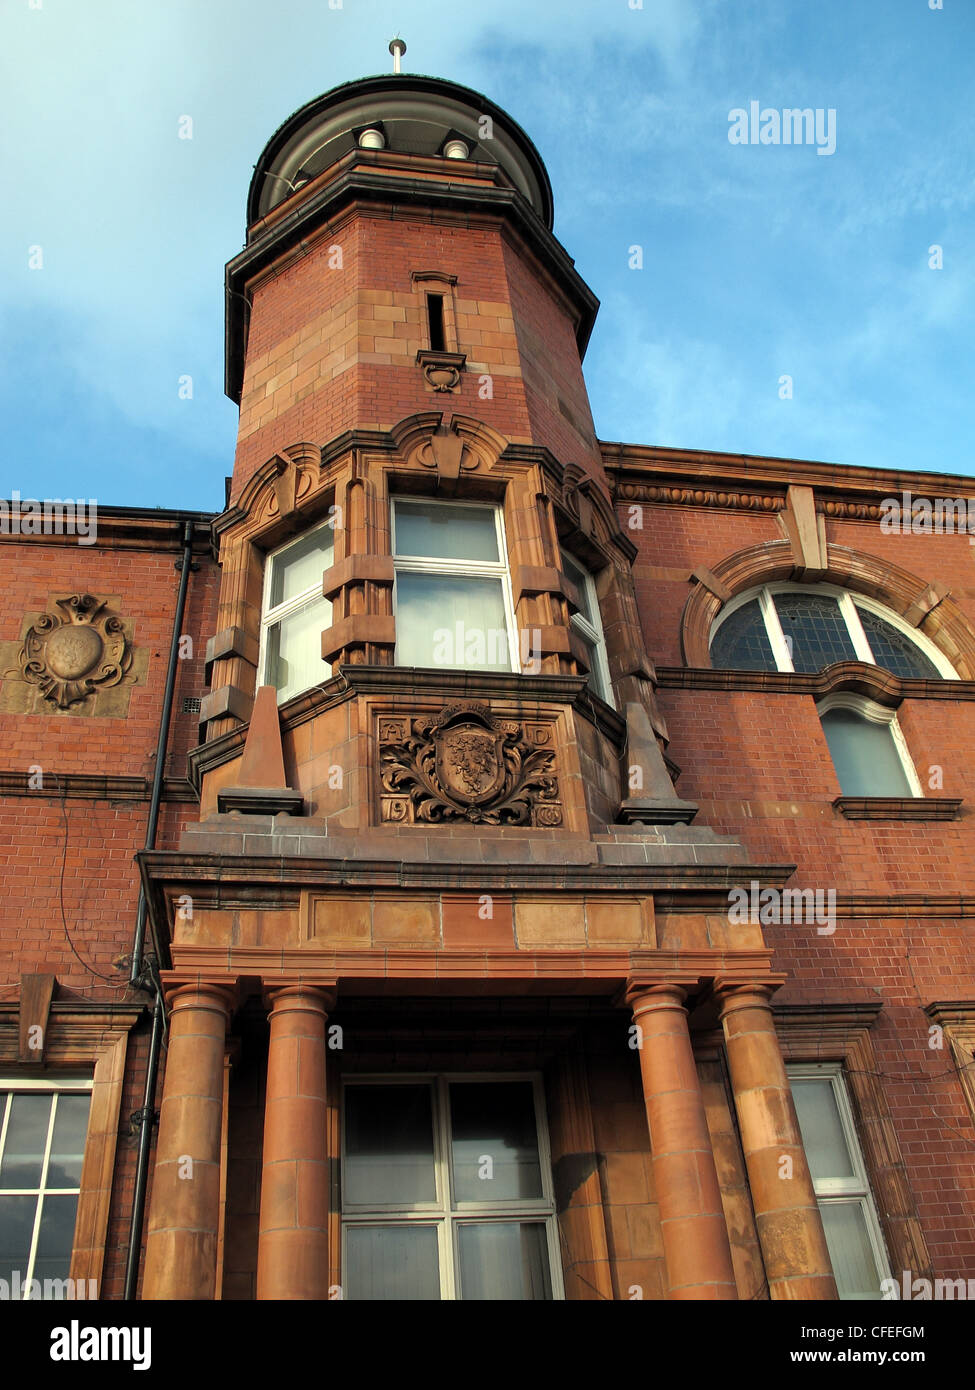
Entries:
{"x":552,"y":863}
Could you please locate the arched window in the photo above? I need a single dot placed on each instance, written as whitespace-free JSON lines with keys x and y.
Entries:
{"x":790,"y":627}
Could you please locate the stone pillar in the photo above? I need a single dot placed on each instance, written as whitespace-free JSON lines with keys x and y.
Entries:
{"x":184,"y":1216}
{"x":790,"y":1228}
{"x":292,"y":1257}
{"x":695,"y":1237}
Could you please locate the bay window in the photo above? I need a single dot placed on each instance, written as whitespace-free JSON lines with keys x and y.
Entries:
{"x":452,"y":593}
{"x":295,"y":614}
{"x":588,"y":627}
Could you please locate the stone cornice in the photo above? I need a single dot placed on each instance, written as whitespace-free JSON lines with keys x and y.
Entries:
{"x":84,"y":786}
{"x":132,"y":528}
{"x":236,"y":880}
{"x":591,"y":970}
{"x":690,"y":477}
{"x":878,"y":684}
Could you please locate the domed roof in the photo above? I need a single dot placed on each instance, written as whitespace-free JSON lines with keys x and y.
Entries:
{"x":417,"y":115}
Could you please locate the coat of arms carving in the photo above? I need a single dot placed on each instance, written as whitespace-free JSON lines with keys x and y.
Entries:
{"x":72,"y":654}
{"x":466,"y":764}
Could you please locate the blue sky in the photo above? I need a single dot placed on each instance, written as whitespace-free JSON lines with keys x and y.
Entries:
{"x":759,"y":261}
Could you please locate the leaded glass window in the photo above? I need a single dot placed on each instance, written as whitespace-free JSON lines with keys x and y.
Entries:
{"x":893,"y":649}
{"x":814,"y":631}
{"x":741,"y":642}
{"x":787,"y":627}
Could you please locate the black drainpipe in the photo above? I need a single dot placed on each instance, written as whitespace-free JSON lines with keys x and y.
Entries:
{"x":144,"y":973}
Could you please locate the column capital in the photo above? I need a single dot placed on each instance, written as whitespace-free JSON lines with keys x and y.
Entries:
{"x":646,"y":994}
{"x":732,"y":994}
{"x":296,"y":995}
{"x":201,"y":994}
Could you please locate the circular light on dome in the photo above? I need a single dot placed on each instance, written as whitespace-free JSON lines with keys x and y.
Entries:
{"x":371,"y":139}
{"x":456,"y":149}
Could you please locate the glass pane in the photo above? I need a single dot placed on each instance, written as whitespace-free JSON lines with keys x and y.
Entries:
{"x":815,"y":627}
{"x":494,"y":1153}
{"x":53,"y":1258}
{"x":741,"y":642}
{"x":595,"y":676}
{"x":301,"y":566}
{"x":438,"y":531}
{"x":864,"y":754}
{"x":294,"y":650}
{"x":504,"y":1259}
{"x":895,"y":652}
{"x":68,"y":1141}
{"x":391,"y":1262}
{"x":23,"y":1152}
{"x":388,"y":1146}
{"x":850,"y":1250}
{"x":822,"y":1130}
{"x":451,"y":621}
{"x":16,"y":1229}
{"x":578,"y":578}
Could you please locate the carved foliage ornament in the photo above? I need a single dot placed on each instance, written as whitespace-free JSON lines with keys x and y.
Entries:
{"x":69,"y":657}
{"x":465,"y":764}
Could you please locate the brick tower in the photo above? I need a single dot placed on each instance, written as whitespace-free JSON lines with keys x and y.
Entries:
{"x":436,"y":808}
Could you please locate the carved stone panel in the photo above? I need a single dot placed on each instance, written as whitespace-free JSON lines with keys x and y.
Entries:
{"x":77,"y":652}
{"x":467,"y":764}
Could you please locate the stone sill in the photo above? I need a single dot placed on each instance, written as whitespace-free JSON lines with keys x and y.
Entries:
{"x":898,"y":807}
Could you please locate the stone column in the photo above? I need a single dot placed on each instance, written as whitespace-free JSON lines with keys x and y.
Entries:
{"x":181,"y":1245}
{"x":790,"y":1228}
{"x":292,"y":1257}
{"x":695,"y":1237}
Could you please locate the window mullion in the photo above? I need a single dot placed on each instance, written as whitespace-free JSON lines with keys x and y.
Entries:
{"x":448,"y":1264}
{"x":776,"y":637}
{"x":855,"y":628}
{"x":293,"y":605}
{"x":4,"y":1121}
{"x":476,"y":569}
{"x":42,"y":1184}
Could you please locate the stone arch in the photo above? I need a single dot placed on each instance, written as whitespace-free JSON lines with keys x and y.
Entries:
{"x":926,"y":607}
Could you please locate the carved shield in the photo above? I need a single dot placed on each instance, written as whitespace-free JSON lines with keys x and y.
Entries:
{"x":469,"y":762}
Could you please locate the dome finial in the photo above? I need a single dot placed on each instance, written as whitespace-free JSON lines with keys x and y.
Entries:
{"x":397,"y":47}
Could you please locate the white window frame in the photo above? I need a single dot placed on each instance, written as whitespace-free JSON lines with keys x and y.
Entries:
{"x":848,"y":603}
{"x":869,"y":709}
{"x":46,"y":1085}
{"x":474,"y":569}
{"x":593,"y":634}
{"x":270,"y":617}
{"x":855,"y":1189}
{"x":445,"y":1213}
